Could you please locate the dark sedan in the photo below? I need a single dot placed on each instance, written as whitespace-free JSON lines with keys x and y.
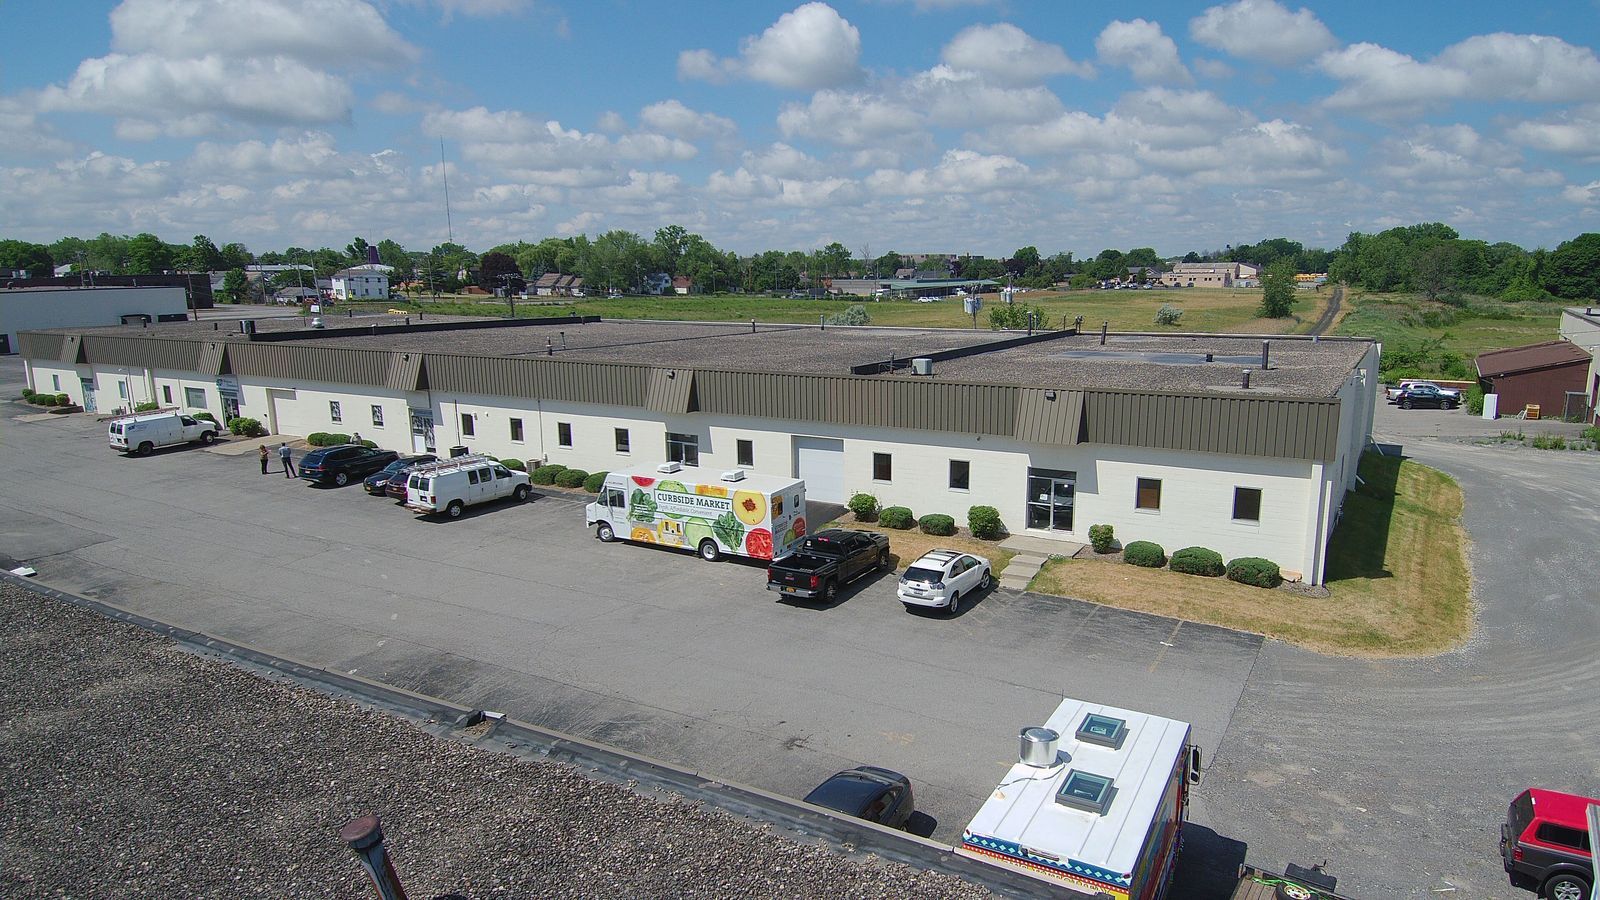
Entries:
{"x":867,"y":792}
{"x":1428,"y":395}
{"x":343,"y":464}
{"x":377,"y":484}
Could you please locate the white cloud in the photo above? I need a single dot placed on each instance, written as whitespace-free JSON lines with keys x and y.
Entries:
{"x":850,"y":119}
{"x":1008,"y":55}
{"x":1582,"y":194}
{"x":809,"y":48}
{"x":959,"y":97}
{"x":1526,"y":67}
{"x":672,"y":117}
{"x":1214,"y":69}
{"x":782,"y":161}
{"x":1139,"y":45}
{"x":23,"y":136}
{"x":1263,"y":30}
{"x":315,"y":32}
{"x":958,"y":172}
{"x":1575,"y":133}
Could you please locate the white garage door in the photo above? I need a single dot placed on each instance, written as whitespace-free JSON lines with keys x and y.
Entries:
{"x":820,"y":462}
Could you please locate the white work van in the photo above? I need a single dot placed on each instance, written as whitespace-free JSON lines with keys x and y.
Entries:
{"x":739,"y":514}
{"x":452,"y":485}
{"x":142,"y":433}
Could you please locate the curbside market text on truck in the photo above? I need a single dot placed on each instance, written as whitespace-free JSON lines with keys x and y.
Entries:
{"x":739,"y":514}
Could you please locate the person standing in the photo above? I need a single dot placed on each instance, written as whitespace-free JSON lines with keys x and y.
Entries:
{"x":263,"y":452}
{"x":288,"y":464}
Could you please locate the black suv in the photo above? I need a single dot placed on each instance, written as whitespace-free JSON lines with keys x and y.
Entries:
{"x":343,"y":464}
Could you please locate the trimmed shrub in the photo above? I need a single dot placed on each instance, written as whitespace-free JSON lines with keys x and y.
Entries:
{"x":1474,"y":401}
{"x":571,"y":478}
{"x":63,"y":399}
{"x":595,"y":482}
{"x":865,"y":506}
{"x":1102,"y":538}
{"x":44,"y":399}
{"x":896,"y":517}
{"x":1146,"y":554}
{"x":207,"y":416}
{"x":247,"y":427}
{"x":27,"y":393}
{"x":546,"y":474}
{"x":1198,"y":561}
{"x":147,"y":406}
{"x":1256,"y":571}
{"x":984,"y":522}
{"x":327,"y":438}
{"x":937,"y":524}
{"x":515,"y":465}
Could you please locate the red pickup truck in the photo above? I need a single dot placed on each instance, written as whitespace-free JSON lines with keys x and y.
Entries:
{"x":1545,"y":844}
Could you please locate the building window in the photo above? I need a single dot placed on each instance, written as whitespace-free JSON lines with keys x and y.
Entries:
{"x":516,"y":431}
{"x":468,"y":426}
{"x":747,"y":453}
{"x":55,"y":382}
{"x":194,"y":398}
{"x":1148,"y":495}
{"x":122,"y":389}
{"x":564,"y":434}
{"x":377,"y":416}
{"x":622,"y":440}
{"x":683,"y":448}
{"x":335,"y":411}
{"x":882,"y":467}
{"x":1247,"y":504}
{"x":166,"y":394}
{"x":960,"y":474}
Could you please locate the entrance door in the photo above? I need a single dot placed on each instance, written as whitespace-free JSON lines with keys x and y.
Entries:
{"x":230,"y":407}
{"x":1050,"y":498}
{"x":422,"y":431}
{"x":88,"y":394}
{"x":820,"y":462}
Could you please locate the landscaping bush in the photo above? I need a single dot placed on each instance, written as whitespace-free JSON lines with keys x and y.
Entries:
{"x":247,"y":427}
{"x":370,"y":445}
{"x":63,"y":399}
{"x":865,"y":506}
{"x":897,"y":517}
{"x":937,"y":524}
{"x":984,"y":522}
{"x":515,"y":465}
{"x":546,"y":474}
{"x":1198,"y":561}
{"x":27,"y":393}
{"x":327,"y":438}
{"x":207,"y":416}
{"x":595,"y":482}
{"x":147,"y":406}
{"x":571,"y":478}
{"x":1146,"y":554}
{"x":1255,"y":570}
{"x":1474,"y":401}
{"x":1102,"y":538}
{"x":44,"y":399}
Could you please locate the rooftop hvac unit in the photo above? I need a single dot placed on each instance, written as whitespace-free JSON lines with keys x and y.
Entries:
{"x":922,"y":365}
{"x":667,"y":468}
{"x":733,"y":475}
{"x":247,"y":326}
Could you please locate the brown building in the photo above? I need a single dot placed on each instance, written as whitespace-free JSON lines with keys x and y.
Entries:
{"x":1550,"y":374}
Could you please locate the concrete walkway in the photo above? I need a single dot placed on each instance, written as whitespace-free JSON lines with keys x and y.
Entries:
{"x":1031,"y":555}
{"x":240,"y":446}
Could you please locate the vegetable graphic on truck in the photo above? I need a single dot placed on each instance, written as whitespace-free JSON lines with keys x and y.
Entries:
{"x":739,"y":514}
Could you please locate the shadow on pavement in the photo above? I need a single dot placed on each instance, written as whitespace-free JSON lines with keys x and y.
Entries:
{"x":1208,"y":867}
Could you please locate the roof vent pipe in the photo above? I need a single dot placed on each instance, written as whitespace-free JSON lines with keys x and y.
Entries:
{"x":822,"y":323}
{"x":1104,"y":327}
{"x":752,"y":326}
{"x":563,"y":339}
{"x":408,"y":320}
{"x":1246,"y":384}
{"x":1266,"y":348}
{"x":549,"y":347}
{"x":1210,"y":357}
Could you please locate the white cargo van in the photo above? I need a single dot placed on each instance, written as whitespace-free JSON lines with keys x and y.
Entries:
{"x":142,"y":433}
{"x":739,"y":514}
{"x":452,"y":485}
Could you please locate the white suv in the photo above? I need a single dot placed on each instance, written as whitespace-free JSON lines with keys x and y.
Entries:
{"x":941,"y":578}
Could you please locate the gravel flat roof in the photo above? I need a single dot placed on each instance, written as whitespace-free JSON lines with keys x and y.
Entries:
{"x":131,"y":768}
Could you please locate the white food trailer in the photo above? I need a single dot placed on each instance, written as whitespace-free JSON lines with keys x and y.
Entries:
{"x":738,"y":514}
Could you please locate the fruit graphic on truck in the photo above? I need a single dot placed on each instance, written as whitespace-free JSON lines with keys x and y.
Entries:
{"x":737,"y":514}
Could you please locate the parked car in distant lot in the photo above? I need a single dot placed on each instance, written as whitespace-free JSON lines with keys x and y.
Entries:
{"x":343,"y":464}
{"x":1428,"y":395}
{"x":1544,"y":844}
{"x":1393,"y":393}
{"x":941,"y":578}
{"x":381,"y":483}
{"x":867,"y":792}
{"x":826,"y":561}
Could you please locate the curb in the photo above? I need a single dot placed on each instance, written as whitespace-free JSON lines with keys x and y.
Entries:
{"x":847,"y":836}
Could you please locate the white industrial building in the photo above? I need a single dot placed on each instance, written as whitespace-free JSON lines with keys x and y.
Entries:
{"x":27,"y":308}
{"x":364,"y":282}
{"x":1227,"y":442}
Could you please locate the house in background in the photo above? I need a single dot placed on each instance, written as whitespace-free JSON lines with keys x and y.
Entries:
{"x":363,"y":282}
{"x":555,"y":284}
{"x":1549,"y":375}
{"x":657,"y":283}
{"x":681,"y":284}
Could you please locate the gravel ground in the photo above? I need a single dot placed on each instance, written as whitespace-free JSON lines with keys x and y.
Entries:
{"x":132,"y":768}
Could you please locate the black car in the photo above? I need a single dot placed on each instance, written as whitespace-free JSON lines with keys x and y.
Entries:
{"x":1427,"y":395}
{"x":378,"y":483}
{"x":343,"y":464}
{"x":867,"y":792}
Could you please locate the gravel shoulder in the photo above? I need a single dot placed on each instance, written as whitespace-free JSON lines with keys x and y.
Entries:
{"x":131,"y":767}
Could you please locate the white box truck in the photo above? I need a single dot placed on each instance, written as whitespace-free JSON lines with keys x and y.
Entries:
{"x":452,"y":485}
{"x":142,"y":433}
{"x":739,"y":514}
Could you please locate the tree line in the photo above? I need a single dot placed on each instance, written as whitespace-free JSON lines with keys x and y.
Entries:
{"x":1431,"y":259}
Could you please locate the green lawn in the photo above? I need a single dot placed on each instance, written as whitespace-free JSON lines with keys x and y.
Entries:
{"x":1441,"y":340}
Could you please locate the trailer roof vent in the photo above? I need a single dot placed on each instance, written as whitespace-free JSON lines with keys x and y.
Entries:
{"x":922,"y":365}
{"x":1103,"y":730}
{"x":667,"y":468}
{"x":1088,"y":792}
{"x":733,"y":475}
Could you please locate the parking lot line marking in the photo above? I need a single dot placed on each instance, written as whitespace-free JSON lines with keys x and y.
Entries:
{"x":1170,"y":641}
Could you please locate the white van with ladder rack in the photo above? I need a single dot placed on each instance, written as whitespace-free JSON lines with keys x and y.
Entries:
{"x":143,"y":433}
{"x":451,"y":485}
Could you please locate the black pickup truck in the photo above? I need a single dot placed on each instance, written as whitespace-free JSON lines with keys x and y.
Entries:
{"x":825,"y":561}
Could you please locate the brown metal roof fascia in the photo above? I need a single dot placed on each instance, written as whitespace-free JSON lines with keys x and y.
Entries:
{"x":1046,"y":416}
{"x":72,"y":349}
{"x":213,"y":359}
{"x":40,"y":345}
{"x":408,"y":371}
{"x":887,"y":401}
{"x":613,"y":384}
{"x":671,"y":391}
{"x":151,"y":353}
{"x":369,"y":368}
{"x":1290,"y":428}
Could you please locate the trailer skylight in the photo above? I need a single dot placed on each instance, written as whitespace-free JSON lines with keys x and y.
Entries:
{"x":1103,"y":730}
{"x":1090,"y":793}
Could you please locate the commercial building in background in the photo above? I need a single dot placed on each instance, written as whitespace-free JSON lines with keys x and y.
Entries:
{"x":26,"y":308}
{"x":1243,"y":445}
{"x":1549,"y":375}
{"x":1581,"y":326}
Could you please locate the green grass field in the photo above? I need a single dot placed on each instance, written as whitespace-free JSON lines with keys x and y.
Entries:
{"x":1453,"y":335}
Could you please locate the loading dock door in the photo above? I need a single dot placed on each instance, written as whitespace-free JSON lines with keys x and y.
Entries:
{"x":820,"y":462}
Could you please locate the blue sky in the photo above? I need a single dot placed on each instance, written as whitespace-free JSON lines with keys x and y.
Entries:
{"x":913,"y":125}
